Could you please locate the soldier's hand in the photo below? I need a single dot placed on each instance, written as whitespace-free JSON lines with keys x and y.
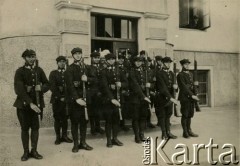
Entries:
{"x":148,"y":85}
{"x":175,"y":101}
{"x":147,"y":99}
{"x":152,"y":93}
{"x":35,"y":108}
{"x":116,"y":103}
{"x":195,"y":98}
{"x":81,"y":102}
{"x":61,"y":88}
{"x":113,"y":87}
{"x":175,"y":86}
{"x":29,"y":88}
{"x":154,"y":79}
{"x":118,"y":84}
{"x":62,"y":99}
{"x":38,"y":88}
{"x":84,"y":78}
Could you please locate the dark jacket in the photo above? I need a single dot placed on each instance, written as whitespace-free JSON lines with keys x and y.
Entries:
{"x":57,"y":85}
{"x":109,"y":76}
{"x":164,"y":86}
{"x":185,"y":84}
{"x":74,"y":83}
{"x":24,"y":77}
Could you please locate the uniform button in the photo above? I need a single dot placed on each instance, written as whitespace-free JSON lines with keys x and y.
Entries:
{"x":33,"y":79}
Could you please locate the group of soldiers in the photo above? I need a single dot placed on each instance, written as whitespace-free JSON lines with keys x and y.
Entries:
{"x":114,"y":88}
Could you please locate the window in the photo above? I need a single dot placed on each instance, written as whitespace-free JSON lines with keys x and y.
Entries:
{"x":203,"y":89}
{"x":194,"y":14}
{"x":113,"y":27}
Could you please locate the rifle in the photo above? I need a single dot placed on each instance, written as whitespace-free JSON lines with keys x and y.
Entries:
{"x":118,"y":89}
{"x":146,"y":75}
{"x":84,"y":92}
{"x":37,"y":92}
{"x":175,"y":108}
{"x":195,"y":84}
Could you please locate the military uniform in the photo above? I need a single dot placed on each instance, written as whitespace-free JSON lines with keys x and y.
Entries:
{"x":95,"y":107}
{"x":185,"y":83}
{"x":109,"y":90}
{"x":74,"y":84}
{"x":165,"y":90}
{"x":58,"y":100}
{"x":24,"y":86}
{"x":138,"y":106}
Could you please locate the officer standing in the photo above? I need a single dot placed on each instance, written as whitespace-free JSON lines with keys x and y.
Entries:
{"x":125,"y":93}
{"x":30,"y":83}
{"x":157,"y":68}
{"x":165,"y":89}
{"x":95,"y":107}
{"x":58,"y":100}
{"x":187,"y":98}
{"x":111,"y":80}
{"x":76,"y":74}
{"x":139,"y":102}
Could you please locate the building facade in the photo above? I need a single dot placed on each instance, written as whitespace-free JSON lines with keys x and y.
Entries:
{"x":53,"y":28}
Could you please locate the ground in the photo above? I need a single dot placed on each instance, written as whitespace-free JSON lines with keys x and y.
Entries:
{"x":220,"y":124}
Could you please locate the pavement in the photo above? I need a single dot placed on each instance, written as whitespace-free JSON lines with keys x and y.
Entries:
{"x":220,"y":124}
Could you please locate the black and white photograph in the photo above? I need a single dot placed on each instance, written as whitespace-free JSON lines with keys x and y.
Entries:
{"x":119,"y":82}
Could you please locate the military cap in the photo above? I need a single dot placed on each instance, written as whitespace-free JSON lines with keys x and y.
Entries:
{"x":149,"y":59}
{"x":183,"y":61}
{"x":110,"y":56}
{"x":137,"y":58}
{"x":28,"y":52}
{"x":77,"y":49}
{"x":143,"y":52}
{"x":166,"y":59}
{"x":60,"y":58}
{"x":158,"y":58}
{"x":94,"y":54}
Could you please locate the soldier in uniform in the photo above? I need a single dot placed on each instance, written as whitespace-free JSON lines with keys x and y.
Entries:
{"x":187,"y":98}
{"x":95,"y":107}
{"x":110,"y":81}
{"x":147,"y":68}
{"x":164,"y":97}
{"x":125,"y":93}
{"x":76,"y":74}
{"x":158,"y":68}
{"x":139,"y":102}
{"x":128,"y":59}
{"x":26,"y":88}
{"x":58,"y":100}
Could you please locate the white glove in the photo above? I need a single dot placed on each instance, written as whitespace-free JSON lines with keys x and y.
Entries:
{"x":116,"y":103}
{"x":175,"y":101}
{"x":35,"y":108}
{"x":38,"y":88}
{"x":118,"y":84}
{"x":195,"y":98}
{"x":175,"y":86}
{"x":148,"y":85}
{"x":147,"y":99}
{"x":81,"y":102}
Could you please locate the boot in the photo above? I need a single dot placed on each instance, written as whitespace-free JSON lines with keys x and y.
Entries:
{"x":74,"y":130}
{"x":25,"y":155}
{"x":164,"y":135}
{"x":65,"y":138}
{"x":34,"y":141}
{"x":163,"y":128}
{"x":25,"y":143}
{"x":35,"y":154}
{"x":115,"y":141}
{"x":57,"y":131}
{"x":184,"y":126}
{"x":169,"y":134}
{"x":141,"y":130}
{"x":190,"y":133}
{"x":108,"y":130}
{"x":83,"y":132}
{"x":136,"y":131}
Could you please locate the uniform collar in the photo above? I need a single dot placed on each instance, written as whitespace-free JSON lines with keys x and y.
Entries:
{"x":61,"y":70}
{"x":110,"y":67}
{"x":28,"y":66}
